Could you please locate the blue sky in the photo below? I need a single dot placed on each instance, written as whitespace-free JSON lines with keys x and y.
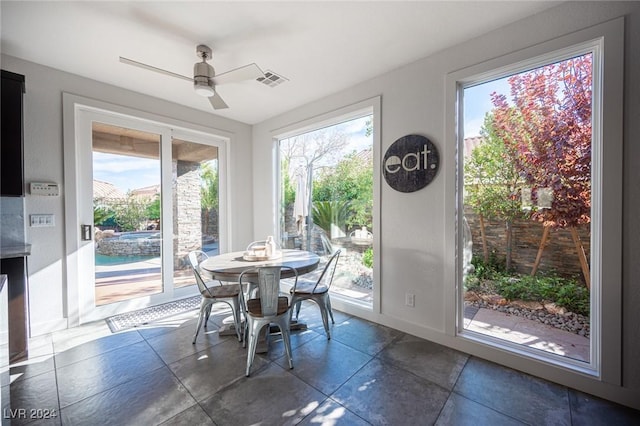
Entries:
{"x":127,"y":173}
{"x":477,"y":102}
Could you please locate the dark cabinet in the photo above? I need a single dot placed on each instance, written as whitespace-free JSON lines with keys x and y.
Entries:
{"x":11,"y":123}
{"x":16,"y":270}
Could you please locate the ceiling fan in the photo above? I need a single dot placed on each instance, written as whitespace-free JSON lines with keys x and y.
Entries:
{"x":204,"y":78}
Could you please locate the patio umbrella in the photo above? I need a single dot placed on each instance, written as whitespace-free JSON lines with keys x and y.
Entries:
{"x":301,"y":204}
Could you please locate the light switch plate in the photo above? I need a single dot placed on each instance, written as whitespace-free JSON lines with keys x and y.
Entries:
{"x":44,"y":188}
{"x":42,"y":220}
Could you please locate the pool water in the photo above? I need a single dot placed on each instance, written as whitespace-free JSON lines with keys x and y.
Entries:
{"x":139,"y":235}
{"x":102,"y":260}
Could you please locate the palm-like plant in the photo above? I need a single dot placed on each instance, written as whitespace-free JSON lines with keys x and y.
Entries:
{"x":326,"y":213}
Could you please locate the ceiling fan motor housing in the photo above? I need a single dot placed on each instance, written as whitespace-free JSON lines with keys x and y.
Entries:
{"x":202,"y":75}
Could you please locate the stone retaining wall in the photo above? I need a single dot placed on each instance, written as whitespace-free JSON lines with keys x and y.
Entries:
{"x":559,"y":256}
{"x":130,"y":247}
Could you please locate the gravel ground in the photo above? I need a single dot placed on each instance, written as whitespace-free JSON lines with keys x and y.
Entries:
{"x":351,"y":264}
{"x":568,"y":321}
{"x":549,"y":314}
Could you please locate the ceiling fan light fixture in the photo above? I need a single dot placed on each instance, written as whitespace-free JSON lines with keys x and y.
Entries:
{"x":203,"y":88}
{"x":205,"y":91}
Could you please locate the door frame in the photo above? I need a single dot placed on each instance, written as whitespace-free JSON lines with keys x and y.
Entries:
{"x":80,"y":300}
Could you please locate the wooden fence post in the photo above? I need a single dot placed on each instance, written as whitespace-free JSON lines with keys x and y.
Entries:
{"x":582,"y":256}
{"x":543,"y":242}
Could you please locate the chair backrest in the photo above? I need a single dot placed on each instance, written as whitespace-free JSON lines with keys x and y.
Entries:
{"x":326,"y":278}
{"x":195,"y":257}
{"x":268,"y":287}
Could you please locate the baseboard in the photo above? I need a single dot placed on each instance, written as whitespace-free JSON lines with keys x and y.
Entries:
{"x":46,"y":327}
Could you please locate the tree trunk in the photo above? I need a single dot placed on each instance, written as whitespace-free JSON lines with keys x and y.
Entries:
{"x":483,"y":237}
{"x":509,"y":244}
{"x":586,"y":272}
{"x":543,"y":243}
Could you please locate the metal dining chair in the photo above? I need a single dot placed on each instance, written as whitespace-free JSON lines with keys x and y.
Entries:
{"x":318,"y":291}
{"x":265,"y":305}
{"x":212,"y":293}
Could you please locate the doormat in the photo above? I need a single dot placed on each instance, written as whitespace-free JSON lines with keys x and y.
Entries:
{"x":144,"y":316}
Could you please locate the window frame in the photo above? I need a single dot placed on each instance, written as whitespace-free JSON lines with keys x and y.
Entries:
{"x":359,"y":109}
{"x":606,"y":236}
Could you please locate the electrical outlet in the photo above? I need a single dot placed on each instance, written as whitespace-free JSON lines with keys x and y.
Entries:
{"x":410,"y":300}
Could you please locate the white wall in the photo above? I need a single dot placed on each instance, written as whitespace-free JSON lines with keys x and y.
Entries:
{"x":43,"y":161}
{"x":413,"y":240}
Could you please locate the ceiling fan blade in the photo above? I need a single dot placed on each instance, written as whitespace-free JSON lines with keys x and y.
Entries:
{"x":247,"y":72}
{"x":217,"y":102}
{"x":152,"y":68}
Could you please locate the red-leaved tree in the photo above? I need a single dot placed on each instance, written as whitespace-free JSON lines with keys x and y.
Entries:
{"x":548,"y":125}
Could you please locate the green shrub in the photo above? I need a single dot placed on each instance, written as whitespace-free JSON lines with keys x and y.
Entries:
{"x":490,"y":270}
{"x":574,"y":297}
{"x":564,"y":292}
{"x":492,"y":277}
{"x":367,"y":258}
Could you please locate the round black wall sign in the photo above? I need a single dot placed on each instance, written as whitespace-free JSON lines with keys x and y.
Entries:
{"x":410,"y":163}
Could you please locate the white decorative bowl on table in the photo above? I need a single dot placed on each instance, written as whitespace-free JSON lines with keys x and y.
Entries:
{"x":256,"y":256}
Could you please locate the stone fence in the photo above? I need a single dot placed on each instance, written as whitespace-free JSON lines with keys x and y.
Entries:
{"x":560,"y":255}
{"x":143,"y":245}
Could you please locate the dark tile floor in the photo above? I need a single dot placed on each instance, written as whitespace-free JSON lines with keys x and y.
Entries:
{"x":366,"y":374}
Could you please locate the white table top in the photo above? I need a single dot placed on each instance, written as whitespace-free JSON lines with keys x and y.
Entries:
{"x":229,"y":266}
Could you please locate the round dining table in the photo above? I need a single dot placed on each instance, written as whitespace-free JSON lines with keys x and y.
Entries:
{"x":229,"y":266}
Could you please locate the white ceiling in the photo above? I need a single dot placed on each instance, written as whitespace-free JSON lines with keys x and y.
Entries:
{"x":321,"y":47}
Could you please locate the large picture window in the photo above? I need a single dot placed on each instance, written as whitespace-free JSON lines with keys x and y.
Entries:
{"x":327,"y":199}
{"x":529,"y":222}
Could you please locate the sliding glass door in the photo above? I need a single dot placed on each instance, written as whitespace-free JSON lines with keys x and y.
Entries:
{"x":148,"y":194}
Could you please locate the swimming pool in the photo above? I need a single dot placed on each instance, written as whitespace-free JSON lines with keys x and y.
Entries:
{"x":103,"y":260}
{"x":139,"y":235}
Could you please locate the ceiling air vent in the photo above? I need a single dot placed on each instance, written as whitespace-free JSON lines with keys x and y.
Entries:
{"x":271,"y":79}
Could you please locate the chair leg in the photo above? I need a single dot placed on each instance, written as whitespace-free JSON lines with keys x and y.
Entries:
{"x":329,"y":308}
{"x":295,"y":302}
{"x":207,"y":315}
{"x":284,"y":326}
{"x":298,"y":304}
{"x":203,"y":308}
{"x":325,"y":318}
{"x":235,"y":306}
{"x":245,"y":332}
{"x":253,"y":341}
